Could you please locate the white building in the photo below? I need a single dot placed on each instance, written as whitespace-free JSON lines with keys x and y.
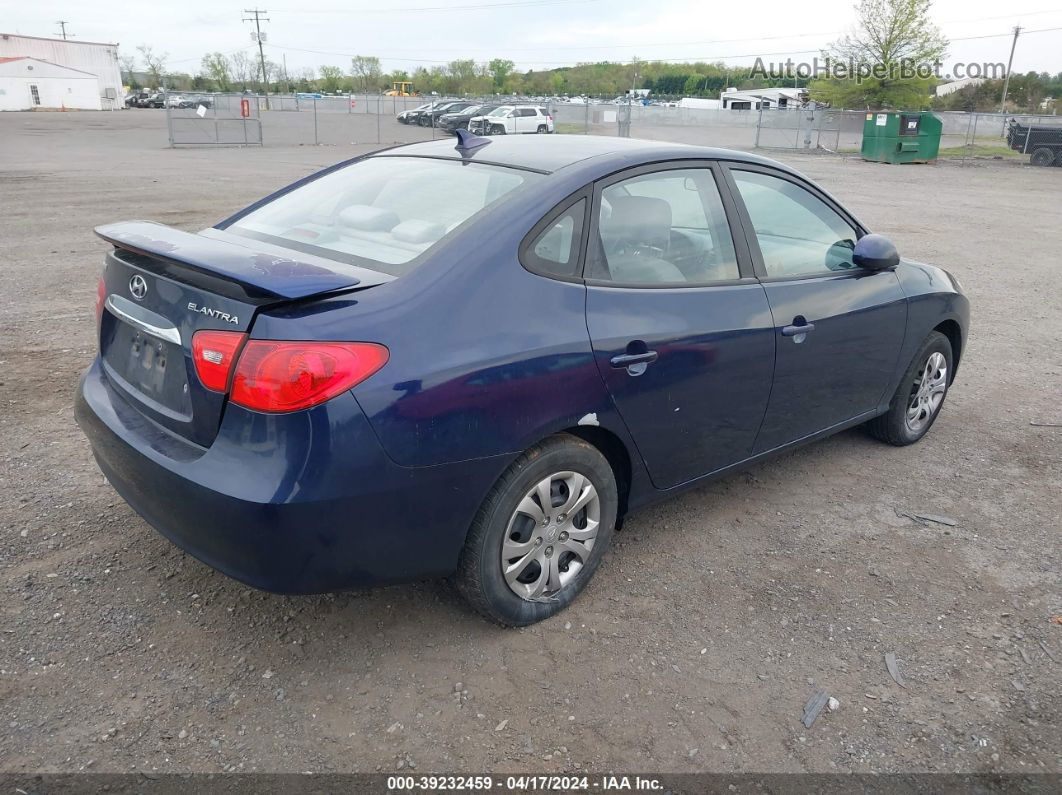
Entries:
{"x":698,"y":103}
{"x":752,"y":98}
{"x":96,"y":58}
{"x":957,"y":85}
{"x":30,"y":83}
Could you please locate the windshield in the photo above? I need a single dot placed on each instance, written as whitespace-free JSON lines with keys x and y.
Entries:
{"x":499,"y":111}
{"x":382,"y":213}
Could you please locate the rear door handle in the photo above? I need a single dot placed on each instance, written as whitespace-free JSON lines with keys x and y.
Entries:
{"x":792,"y":331}
{"x":627,"y":359}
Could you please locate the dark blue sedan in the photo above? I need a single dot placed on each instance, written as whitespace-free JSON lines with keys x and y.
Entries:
{"x":474,"y":361}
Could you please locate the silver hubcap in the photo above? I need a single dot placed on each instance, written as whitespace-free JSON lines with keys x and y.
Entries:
{"x":927,"y":392}
{"x":550,"y":535}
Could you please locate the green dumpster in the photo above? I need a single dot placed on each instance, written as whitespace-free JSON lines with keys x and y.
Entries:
{"x":892,"y":137}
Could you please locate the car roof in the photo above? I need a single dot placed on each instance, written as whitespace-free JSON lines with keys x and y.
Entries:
{"x":547,"y":154}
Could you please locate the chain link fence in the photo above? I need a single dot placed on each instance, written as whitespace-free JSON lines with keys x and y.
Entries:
{"x":322,"y":120}
{"x":212,"y":120}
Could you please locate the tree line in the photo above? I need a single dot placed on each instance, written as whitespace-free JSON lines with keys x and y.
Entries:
{"x":889,"y":34}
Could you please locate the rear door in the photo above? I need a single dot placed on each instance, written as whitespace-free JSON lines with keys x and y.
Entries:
{"x":838,"y":328}
{"x":681,"y":329}
{"x":526,"y":120}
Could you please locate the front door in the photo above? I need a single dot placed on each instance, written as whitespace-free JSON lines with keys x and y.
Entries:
{"x":838,"y":327}
{"x":681,"y":330}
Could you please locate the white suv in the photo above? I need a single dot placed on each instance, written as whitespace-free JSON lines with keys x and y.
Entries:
{"x":510,"y":119}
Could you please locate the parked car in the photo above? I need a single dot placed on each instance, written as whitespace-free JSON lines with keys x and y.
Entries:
{"x":430,"y":117}
{"x":454,"y":121}
{"x":419,"y":117}
{"x":512,"y":119}
{"x":194,"y":101}
{"x":437,"y":360}
{"x":155,"y":100}
{"x":409,"y":116}
{"x":137,"y":99}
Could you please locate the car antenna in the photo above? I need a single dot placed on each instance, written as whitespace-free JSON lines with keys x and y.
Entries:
{"x":469,"y":142}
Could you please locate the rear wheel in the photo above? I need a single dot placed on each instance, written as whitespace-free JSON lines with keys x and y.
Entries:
{"x":542,"y":129}
{"x":1042,"y":156}
{"x":540,"y":534}
{"x":918,"y":399}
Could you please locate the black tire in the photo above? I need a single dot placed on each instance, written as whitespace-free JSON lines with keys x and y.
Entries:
{"x":479,"y":573}
{"x":542,"y":129}
{"x":892,"y":426}
{"x":497,"y":129}
{"x":1042,"y":156}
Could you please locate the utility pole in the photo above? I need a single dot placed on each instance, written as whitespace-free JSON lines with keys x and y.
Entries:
{"x":257,"y":19}
{"x":1006,"y":82}
{"x":62,"y":23}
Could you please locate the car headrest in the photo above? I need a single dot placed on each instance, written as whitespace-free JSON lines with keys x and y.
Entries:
{"x":366,"y":218}
{"x":416,"y":231}
{"x":641,"y":220}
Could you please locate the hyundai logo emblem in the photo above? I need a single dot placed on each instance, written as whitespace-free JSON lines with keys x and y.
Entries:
{"x":138,"y":287}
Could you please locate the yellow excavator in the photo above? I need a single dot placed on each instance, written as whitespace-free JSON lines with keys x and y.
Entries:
{"x":401,"y":89}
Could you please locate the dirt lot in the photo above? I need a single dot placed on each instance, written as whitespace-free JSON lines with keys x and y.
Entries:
{"x":713,"y":619}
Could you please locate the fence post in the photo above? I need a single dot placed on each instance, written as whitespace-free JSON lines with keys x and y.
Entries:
{"x":586,"y":117}
{"x":759,"y":123}
{"x":169,"y":118}
{"x":379,"y":100}
{"x":315,"y":142}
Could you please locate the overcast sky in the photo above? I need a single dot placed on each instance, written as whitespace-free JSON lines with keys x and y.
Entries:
{"x":532,"y":33}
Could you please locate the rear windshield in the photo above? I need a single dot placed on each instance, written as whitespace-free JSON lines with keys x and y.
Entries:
{"x":383,"y":213}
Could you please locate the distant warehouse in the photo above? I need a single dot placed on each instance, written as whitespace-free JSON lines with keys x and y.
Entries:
{"x":97,"y":59}
{"x":29,"y":83}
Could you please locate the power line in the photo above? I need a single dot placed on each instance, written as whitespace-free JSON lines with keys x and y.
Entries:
{"x":705,"y":58}
{"x":406,"y":9}
{"x":62,"y":23}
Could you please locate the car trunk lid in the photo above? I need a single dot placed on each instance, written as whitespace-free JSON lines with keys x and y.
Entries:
{"x":162,"y":285}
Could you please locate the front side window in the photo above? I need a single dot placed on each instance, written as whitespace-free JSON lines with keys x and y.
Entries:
{"x":798,"y":233}
{"x":499,"y":112}
{"x":666,"y":227}
{"x":382,"y":213}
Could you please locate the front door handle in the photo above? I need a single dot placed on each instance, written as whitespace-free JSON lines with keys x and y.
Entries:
{"x":792,"y":331}
{"x":628,"y":359}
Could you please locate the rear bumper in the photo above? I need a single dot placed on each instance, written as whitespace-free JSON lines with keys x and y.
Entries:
{"x":292,"y":503}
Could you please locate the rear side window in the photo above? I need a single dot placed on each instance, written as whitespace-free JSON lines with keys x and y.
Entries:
{"x":663,"y":228}
{"x":554,"y":251}
{"x":383,"y":213}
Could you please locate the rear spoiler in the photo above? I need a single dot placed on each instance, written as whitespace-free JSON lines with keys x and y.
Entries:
{"x":259,"y":270}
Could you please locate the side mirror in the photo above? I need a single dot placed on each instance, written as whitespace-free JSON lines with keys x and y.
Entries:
{"x":875,"y":253}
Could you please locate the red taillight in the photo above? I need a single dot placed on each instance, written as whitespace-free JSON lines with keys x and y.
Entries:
{"x":101,"y":297}
{"x":288,"y":376}
{"x":214,"y":353}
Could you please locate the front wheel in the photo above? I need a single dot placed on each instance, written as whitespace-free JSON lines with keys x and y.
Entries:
{"x":497,"y":129}
{"x":540,"y":534}
{"x":1042,"y":156}
{"x":918,"y":399}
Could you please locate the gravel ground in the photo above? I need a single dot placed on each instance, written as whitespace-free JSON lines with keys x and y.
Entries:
{"x":713,"y":619}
